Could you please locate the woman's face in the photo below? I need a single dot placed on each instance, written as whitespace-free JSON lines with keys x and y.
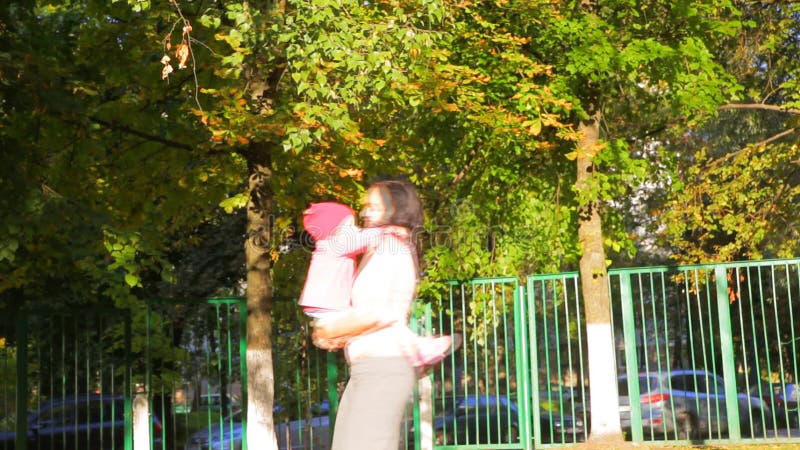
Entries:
{"x":374,"y":208}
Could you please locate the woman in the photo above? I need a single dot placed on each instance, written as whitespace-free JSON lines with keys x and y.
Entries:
{"x":382,"y":376}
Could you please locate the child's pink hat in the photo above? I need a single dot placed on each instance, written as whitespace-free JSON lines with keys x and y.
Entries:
{"x":321,"y":219}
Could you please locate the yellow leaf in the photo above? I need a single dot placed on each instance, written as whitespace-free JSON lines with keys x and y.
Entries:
{"x":351,"y":173}
{"x":182,"y":53}
{"x":165,"y":71}
{"x":535,"y":128}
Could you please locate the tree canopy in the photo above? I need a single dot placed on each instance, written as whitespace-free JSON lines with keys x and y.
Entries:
{"x":736,"y":179}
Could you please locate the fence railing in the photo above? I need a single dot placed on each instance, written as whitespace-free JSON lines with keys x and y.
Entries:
{"x":703,"y":353}
{"x":70,"y":372}
{"x":733,"y":321}
{"x":75,"y":379}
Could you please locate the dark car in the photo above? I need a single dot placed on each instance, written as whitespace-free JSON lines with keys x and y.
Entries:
{"x":225,"y":435}
{"x":299,"y":434}
{"x":781,"y":398}
{"x":688,"y":404}
{"x":562,"y":413}
{"x":478,"y":419}
{"x":494,"y":419}
{"x":83,"y":421}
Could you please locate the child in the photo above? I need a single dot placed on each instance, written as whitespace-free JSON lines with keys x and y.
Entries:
{"x":326,"y":293}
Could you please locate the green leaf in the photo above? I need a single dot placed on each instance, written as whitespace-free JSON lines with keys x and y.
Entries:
{"x":230,"y":204}
{"x":132,"y":280}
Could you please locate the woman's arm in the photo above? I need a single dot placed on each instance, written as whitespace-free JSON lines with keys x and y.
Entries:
{"x":352,"y":241}
{"x":334,"y":334}
{"x":389,"y":278}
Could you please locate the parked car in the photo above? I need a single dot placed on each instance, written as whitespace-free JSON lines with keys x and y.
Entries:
{"x":305,"y":434}
{"x":213,"y":402}
{"x":300,"y":434}
{"x":224,"y":435}
{"x":494,"y":419}
{"x":562,"y":415}
{"x":83,"y":421}
{"x":781,"y":398}
{"x":688,"y":404}
{"x":478,"y":419}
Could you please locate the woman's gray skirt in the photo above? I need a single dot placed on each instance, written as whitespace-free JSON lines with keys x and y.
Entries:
{"x":373,"y":404}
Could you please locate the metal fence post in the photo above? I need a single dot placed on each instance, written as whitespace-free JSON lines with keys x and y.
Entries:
{"x":333,"y":389}
{"x":128,"y":381}
{"x":423,"y":407}
{"x":726,"y":344}
{"x":523,"y":353}
{"x":631,"y":357}
{"x":22,"y":381}
{"x":243,"y":364}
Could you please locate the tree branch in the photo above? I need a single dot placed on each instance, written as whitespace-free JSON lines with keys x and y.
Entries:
{"x":776,"y":137}
{"x":757,"y":144}
{"x":141,"y":134}
{"x":761,"y":106}
{"x":467,"y":166}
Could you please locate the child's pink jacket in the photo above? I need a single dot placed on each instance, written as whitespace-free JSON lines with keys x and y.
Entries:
{"x":333,"y":268}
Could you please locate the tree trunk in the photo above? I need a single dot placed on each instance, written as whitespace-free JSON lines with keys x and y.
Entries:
{"x":141,"y":422}
{"x":260,"y":374}
{"x":596,"y":297}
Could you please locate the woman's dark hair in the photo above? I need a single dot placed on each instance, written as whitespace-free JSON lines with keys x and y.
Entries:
{"x":403,"y":206}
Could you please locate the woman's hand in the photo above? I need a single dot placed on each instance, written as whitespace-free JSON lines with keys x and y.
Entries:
{"x":330,"y":344}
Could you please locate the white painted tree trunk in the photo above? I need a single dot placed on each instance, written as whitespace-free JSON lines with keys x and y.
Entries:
{"x":260,"y":401}
{"x":603,"y":386}
{"x":260,"y":374}
{"x":260,"y":395}
{"x":141,"y":422}
{"x":596,"y":294}
{"x":425,"y":414}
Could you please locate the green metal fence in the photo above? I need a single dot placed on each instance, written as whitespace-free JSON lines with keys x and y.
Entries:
{"x":518,"y":382}
{"x":71,"y":373}
{"x":476,"y":390}
{"x":703,"y":353}
{"x":709,"y":352}
{"x":558,"y":362}
{"x":722,"y":337}
{"x":194,"y":372}
{"x":72,"y":379}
